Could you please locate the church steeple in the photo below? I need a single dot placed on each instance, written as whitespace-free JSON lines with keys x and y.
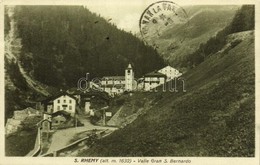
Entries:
{"x":129,"y":78}
{"x":129,"y":66}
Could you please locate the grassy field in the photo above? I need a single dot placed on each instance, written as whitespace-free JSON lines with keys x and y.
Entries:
{"x":20,"y":143}
{"x":215,"y":117}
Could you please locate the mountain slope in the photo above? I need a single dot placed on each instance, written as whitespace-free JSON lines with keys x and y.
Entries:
{"x":243,"y":21}
{"x":205,"y":21}
{"x":60,"y":44}
{"x":51,"y":47}
{"x":215,"y":117}
{"x":21,"y":90}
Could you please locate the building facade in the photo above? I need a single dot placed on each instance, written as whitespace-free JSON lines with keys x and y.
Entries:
{"x":115,"y":85}
{"x":61,"y":102}
{"x":64,"y":103}
{"x":153,"y":80}
{"x":170,"y":72}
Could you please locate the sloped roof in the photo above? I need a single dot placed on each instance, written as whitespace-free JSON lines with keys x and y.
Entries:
{"x":129,"y":66}
{"x":113,"y":78}
{"x":155,"y":74}
{"x":168,"y":68}
{"x":100,"y":94}
{"x":63,"y":113}
{"x":62,"y":93}
{"x":74,"y":91}
{"x":40,"y":122}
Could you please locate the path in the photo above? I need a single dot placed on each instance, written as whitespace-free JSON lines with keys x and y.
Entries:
{"x":61,"y":138}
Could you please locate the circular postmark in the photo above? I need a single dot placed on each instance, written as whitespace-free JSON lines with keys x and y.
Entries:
{"x":159,"y":17}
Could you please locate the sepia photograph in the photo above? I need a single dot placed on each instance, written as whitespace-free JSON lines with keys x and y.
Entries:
{"x":129,"y":79}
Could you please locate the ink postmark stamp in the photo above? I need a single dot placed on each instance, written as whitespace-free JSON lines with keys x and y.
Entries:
{"x":159,"y":17}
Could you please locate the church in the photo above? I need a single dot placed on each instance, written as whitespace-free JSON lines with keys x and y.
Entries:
{"x":115,"y":85}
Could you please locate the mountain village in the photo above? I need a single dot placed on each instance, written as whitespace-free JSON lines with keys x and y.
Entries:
{"x":72,"y":108}
{"x":78,"y":84}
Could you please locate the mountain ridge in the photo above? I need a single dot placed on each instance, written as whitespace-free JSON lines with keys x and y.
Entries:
{"x":203,"y":23}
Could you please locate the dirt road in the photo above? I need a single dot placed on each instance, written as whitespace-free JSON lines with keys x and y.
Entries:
{"x":61,"y":138}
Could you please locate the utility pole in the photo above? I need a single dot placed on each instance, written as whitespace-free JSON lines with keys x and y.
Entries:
{"x":76,"y":121}
{"x":104,"y":117}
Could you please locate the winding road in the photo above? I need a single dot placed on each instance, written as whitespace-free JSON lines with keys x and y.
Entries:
{"x":61,"y":138}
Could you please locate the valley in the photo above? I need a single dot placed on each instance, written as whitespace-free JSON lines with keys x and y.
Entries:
{"x":194,"y":123}
{"x":213,"y":116}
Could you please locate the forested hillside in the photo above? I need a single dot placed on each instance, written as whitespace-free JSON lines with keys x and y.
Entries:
{"x":54,"y":46}
{"x":62,"y":43}
{"x":214,"y":117}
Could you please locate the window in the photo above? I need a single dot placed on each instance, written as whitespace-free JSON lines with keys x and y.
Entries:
{"x":70,"y":101}
{"x":128,"y":72}
{"x":58,"y":101}
{"x":70,"y":107}
{"x":58,"y":107}
{"x":64,"y":101}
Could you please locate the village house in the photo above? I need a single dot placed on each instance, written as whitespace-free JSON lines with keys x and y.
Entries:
{"x":54,"y":120}
{"x":153,"y":80}
{"x":156,"y":78}
{"x":61,"y":102}
{"x":113,"y":85}
{"x":60,"y":117}
{"x":170,"y":72}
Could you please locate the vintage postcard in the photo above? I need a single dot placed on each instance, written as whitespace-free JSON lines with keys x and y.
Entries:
{"x":129,"y":82}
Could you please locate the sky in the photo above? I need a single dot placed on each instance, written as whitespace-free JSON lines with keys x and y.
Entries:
{"x":124,"y":14}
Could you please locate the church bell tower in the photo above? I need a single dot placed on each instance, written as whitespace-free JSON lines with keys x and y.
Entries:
{"x":129,"y":78}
